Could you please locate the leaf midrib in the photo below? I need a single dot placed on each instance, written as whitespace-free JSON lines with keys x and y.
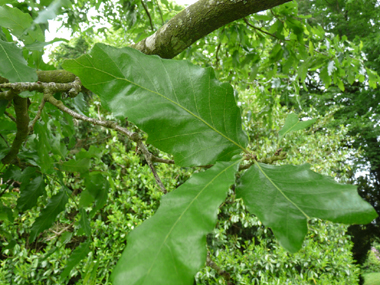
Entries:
{"x":278,"y":188}
{"x":168,"y":99}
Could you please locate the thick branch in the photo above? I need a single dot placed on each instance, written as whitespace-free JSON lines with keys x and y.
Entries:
{"x":197,"y":21}
{"x":22,"y":122}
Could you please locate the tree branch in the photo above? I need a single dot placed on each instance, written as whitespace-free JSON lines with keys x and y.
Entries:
{"x":197,"y":21}
{"x":147,"y":12}
{"x":22,"y":122}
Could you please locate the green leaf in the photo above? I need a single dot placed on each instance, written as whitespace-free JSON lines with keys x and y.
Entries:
{"x":97,"y":185}
{"x":84,"y":223}
{"x":302,"y":71}
{"x":326,"y":78}
{"x":292,"y":123}
{"x":50,"y":12}
{"x":13,"y":66}
{"x":78,"y":254}
{"x":30,"y":193}
{"x":48,"y":215}
{"x":73,"y":165}
{"x":6,"y":213}
{"x":284,"y":197}
{"x":170,"y":247}
{"x":182,"y":107}
{"x":20,"y":24}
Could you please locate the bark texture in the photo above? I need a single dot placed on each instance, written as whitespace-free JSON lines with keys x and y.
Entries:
{"x":197,"y":21}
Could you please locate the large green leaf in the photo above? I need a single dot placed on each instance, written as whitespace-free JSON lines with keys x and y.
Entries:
{"x":48,"y":215}
{"x":170,"y":247}
{"x":182,"y":107}
{"x":284,"y":197}
{"x":13,"y":65}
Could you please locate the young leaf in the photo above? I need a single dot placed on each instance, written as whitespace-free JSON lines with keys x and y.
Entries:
{"x":284,"y":197}
{"x":293,"y":124}
{"x":47,"y":217}
{"x":30,"y":193}
{"x":13,"y":66}
{"x":182,"y":107}
{"x":170,"y":247}
{"x":78,"y":254}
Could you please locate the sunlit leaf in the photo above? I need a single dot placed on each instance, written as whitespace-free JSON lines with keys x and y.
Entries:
{"x":170,"y":247}
{"x":20,"y":24}
{"x":292,"y":123}
{"x":284,"y":197}
{"x":13,"y":66}
{"x":182,"y":107}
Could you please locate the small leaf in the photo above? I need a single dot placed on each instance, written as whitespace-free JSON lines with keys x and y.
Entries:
{"x":170,"y":247}
{"x":30,"y":193}
{"x":73,"y":165}
{"x":182,"y":107}
{"x":48,"y":215}
{"x":13,"y":66}
{"x":6,"y":213}
{"x":302,"y":71}
{"x":292,"y":123}
{"x":78,"y":254}
{"x":84,"y":223}
{"x":97,"y":185}
{"x":284,"y":197}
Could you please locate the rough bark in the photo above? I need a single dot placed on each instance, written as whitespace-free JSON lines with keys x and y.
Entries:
{"x":197,"y":21}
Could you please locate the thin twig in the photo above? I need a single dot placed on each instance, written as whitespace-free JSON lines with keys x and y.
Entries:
{"x":112,"y":125}
{"x":5,"y":140}
{"x":147,"y":12}
{"x":38,"y":115}
{"x":10,"y":116}
{"x":261,"y":30}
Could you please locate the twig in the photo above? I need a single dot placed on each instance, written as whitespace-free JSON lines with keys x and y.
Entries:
{"x":38,"y":115}
{"x":261,"y":30}
{"x":112,"y":125}
{"x":147,"y":12}
{"x":10,"y":116}
{"x":160,"y":11}
{"x":148,"y":158}
{"x":4,"y":140}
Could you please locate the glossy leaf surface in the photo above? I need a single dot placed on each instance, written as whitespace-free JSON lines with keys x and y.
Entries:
{"x":170,"y":247}
{"x":182,"y":107}
{"x":284,"y":197}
